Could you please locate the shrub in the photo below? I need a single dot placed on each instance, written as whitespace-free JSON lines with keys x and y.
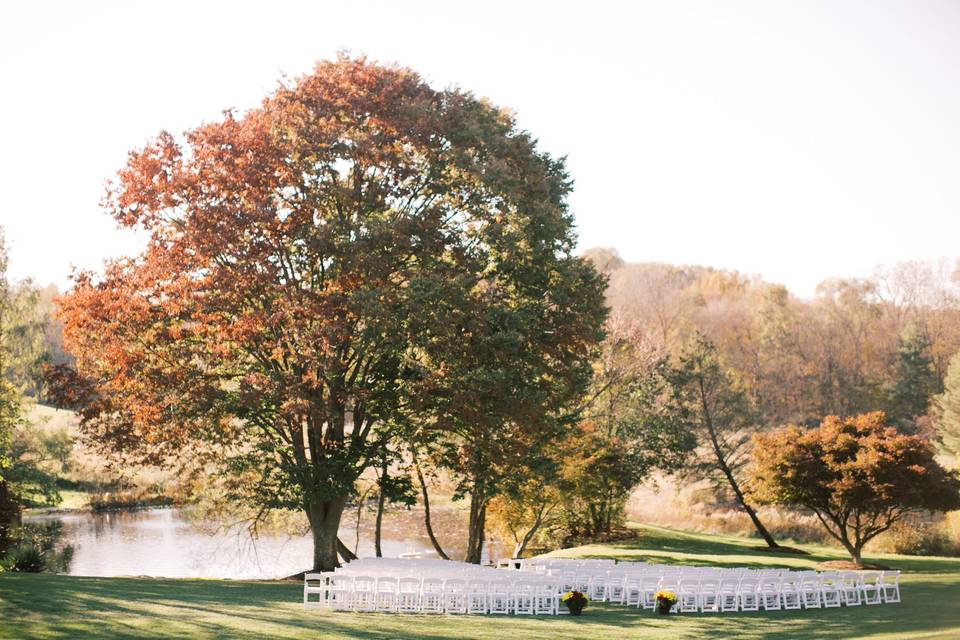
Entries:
{"x":25,"y":558}
{"x":921,"y":537}
{"x":36,"y":548}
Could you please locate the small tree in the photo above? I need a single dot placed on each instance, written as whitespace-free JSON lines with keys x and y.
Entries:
{"x":858,"y":475}
{"x":525,"y":513}
{"x":631,"y":426}
{"x":948,"y":408}
{"x":722,"y":419}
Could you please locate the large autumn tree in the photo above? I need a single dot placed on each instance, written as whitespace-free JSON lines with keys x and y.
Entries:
{"x":316,"y":270}
{"x":858,"y":475}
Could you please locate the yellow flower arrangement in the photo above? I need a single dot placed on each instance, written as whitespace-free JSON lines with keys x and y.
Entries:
{"x":575,"y":596}
{"x":575,"y":601}
{"x":666,"y":597}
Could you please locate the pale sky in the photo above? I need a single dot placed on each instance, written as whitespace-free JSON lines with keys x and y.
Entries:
{"x":795,"y":140}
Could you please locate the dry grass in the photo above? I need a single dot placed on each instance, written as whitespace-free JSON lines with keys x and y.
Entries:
{"x":666,"y":503}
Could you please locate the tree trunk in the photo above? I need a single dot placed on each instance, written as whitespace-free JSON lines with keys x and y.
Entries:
{"x":426,"y":512}
{"x":761,"y":529}
{"x":854,"y":549}
{"x":324,"y":517}
{"x":10,"y":511}
{"x":728,"y":472}
{"x":345,"y":552}
{"x":381,"y":500}
{"x":856,"y":553}
{"x":477,"y":528}
{"x":522,"y":544}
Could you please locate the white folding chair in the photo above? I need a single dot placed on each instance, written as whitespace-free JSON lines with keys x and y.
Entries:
{"x":790,"y":591}
{"x":870,"y":586}
{"x":568,"y":581}
{"x":769,"y":593}
{"x":614,"y":587}
{"x":364,"y":593}
{"x":728,"y":594}
{"x":649,"y":585}
{"x":747,"y":596}
{"x":545,"y":598}
{"x":386,"y":594}
{"x":582,"y":582}
{"x":340,"y":592}
{"x":631,"y":590}
{"x":850,"y":588}
{"x":830,"y":589}
{"x":689,"y":595}
{"x":598,"y":583}
{"x":499,"y":597}
{"x":522,"y":597}
{"x":455,"y":595}
{"x":319,"y":589}
{"x":709,"y":595}
{"x":670,"y":583}
{"x":890,"y":586}
{"x":478,"y":596}
{"x":431,"y":596}
{"x":408,"y":595}
{"x":810,"y":590}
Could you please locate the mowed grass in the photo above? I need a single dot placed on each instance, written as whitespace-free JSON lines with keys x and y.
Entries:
{"x":47,"y":606}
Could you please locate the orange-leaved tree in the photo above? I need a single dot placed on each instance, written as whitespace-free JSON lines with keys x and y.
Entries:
{"x":308,"y":265}
{"x":858,"y":475}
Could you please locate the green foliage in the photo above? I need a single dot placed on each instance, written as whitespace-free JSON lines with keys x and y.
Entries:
{"x":35,"y":548}
{"x":915,"y":380}
{"x":717,"y":410}
{"x":630,"y":425}
{"x":948,"y":408}
{"x":36,"y":456}
{"x":23,"y":452}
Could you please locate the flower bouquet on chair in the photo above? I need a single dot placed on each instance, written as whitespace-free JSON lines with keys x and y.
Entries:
{"x":575,"y":602}
{"x":665,"y":601}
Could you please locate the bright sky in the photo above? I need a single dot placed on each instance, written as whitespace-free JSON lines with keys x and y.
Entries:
{"x":796,"y":140}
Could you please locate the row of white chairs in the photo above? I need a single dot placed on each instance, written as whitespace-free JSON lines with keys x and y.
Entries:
{"x":441,"y":586}
{"x":411,"y":594}
{"x":621,"y":583}
{"x":808,"y":590}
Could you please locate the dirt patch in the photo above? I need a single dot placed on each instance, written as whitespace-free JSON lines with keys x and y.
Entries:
{"x":790,"y":550}
{"x":850,"y":565}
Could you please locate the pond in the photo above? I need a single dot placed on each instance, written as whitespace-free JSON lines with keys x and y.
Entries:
{"x":165,"y":543}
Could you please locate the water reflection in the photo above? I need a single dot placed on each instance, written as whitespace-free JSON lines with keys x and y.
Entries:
{"x":164,"y":543}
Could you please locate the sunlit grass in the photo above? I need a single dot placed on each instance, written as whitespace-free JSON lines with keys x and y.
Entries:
{"x":72,"y":499}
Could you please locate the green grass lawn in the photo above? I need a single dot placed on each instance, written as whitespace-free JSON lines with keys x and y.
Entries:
{"x":47,"y":606}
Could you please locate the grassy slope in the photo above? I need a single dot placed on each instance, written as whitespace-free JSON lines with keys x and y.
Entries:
{"x":43,"y":606}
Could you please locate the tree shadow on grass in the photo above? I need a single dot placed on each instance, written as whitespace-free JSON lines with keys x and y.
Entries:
{"x":76,"y":607}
